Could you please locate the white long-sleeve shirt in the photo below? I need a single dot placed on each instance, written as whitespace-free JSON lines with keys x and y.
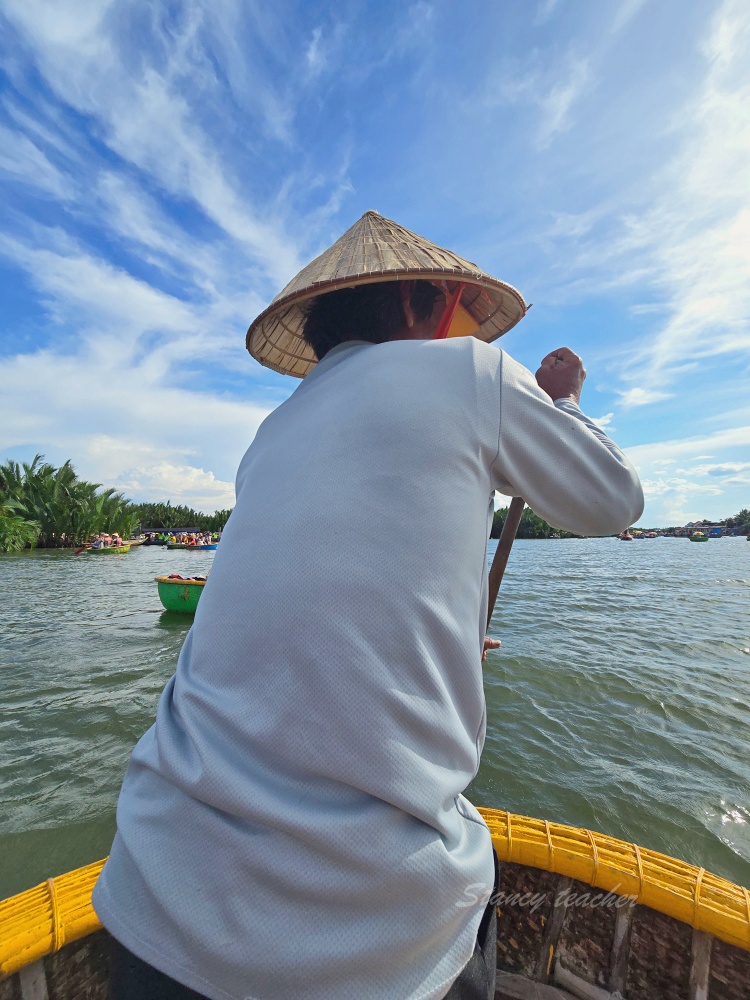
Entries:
{"x":292,"y":826}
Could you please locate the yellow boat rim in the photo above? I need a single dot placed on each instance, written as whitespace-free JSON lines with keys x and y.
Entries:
{"x":42,"y":920}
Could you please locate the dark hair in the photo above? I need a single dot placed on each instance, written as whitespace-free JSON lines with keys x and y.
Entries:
{"x":368,"y":312}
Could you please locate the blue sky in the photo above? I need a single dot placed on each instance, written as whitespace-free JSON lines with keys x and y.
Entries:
{"x":167,"y":167}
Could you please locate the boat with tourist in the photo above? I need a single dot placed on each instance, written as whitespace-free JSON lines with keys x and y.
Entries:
{"x":580,"y":914}
{"x":198,"y":547}
{"x":108,"y":545}
{"x":698,"y":536}
{"x":178,"y":593}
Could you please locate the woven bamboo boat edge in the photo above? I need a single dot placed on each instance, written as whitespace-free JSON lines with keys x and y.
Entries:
{"x":683,"y":891}
{"x":43,"y":919}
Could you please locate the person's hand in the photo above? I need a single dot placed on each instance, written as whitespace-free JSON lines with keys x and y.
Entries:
{"x":561,"y":375}
{"x":489,"y":644}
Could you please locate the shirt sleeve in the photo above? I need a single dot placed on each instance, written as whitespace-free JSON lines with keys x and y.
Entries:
{"x":564,"y":466}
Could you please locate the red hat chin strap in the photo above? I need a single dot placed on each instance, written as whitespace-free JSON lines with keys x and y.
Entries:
{"x":449,"y":312}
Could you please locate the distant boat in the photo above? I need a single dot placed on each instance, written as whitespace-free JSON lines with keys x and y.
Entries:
{"x":179,"y":595}
{"x":698,"y":536}
{"x":109,"y":550}
{"x":626,"y":537}
{"x":187,"y":545}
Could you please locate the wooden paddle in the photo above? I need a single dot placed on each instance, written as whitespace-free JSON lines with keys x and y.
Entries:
{"x":500,"y":559}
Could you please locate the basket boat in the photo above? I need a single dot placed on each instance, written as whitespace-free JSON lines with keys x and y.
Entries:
{"x":109,"y":550}
{"x":179,"y":595}
{"x":579,"y":915}
{"x":698,"y":536}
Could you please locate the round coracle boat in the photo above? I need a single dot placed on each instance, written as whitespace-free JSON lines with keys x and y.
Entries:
{"x":177,"y":594}
{"x":579,"y":915}
{"x":108,"y":550}
{"x":698,"y":536}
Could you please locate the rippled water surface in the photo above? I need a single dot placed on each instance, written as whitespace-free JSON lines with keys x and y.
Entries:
{"x":620,"y":699}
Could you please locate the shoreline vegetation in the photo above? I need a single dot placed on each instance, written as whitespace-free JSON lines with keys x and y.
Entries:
{"x":532,"y":526}
{"x":42,"y":506}
{"x":51,"y":508}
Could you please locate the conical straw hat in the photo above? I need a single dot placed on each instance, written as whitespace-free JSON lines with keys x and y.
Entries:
{"x":375,"y":249}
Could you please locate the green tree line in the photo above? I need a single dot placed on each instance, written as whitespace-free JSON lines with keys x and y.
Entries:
{"x":47,"y":507}
{"x":740,"y":522}
{"x":530,"y":526}
{"x":164,"y":515}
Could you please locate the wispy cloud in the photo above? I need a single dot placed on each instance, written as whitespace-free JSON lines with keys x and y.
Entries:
{"x":146,"y":116}
{"x":638,"y":396}
{"x":314,"y":56}
{"x":544,"y":11}
{"x":557,"y":104}
{"x":685,"y":236}
{"x":169,"y":166}
{"x":25,"y":163}
{"x":551,"y":90}
{"x":110,"y":417}
{"x":625,"y":13}
{"x":677,"y":480}
{"x":605,"y":422}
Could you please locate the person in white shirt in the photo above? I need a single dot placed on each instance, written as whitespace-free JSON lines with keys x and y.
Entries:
{"x":293,"y":825}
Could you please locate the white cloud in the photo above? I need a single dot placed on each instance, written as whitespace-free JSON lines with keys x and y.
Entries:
{"x":109,"y":417}
{"x":105,"y":305}
{"x":556,"y":105}
{"x":692,"y":246}
{"x":725,"y":473}
{"x":695,"y":447}
{"x":544,"y":11}
{"x":26,"y":163}
{"x":146,"y":116}
{"x":677,"y":230}
{"x":640,"y":396}
{"x":605,"y":421}
{"x":693,"y":489}
{"x":551,"y":89}
{"x":178,"y":483}
{"x":314,"y":56}
{"x":625,"y":12}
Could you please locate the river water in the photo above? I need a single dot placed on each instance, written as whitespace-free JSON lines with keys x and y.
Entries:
{"x":620,"y":700}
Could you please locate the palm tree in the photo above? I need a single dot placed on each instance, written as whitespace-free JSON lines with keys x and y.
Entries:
{"x":57,"y":507}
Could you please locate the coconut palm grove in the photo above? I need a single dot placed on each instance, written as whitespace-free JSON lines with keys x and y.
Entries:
{"x":46,"y":507}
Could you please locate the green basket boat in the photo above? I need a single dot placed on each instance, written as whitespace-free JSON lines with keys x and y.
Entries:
{"x":179,"y":595}
{"x":109,"y":550}
{"x":698,"y":536}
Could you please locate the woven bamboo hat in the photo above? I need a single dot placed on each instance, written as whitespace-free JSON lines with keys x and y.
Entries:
{"x":375,"y":249}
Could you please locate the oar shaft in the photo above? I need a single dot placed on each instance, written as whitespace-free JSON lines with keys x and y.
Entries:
{"x":500,"y":560}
